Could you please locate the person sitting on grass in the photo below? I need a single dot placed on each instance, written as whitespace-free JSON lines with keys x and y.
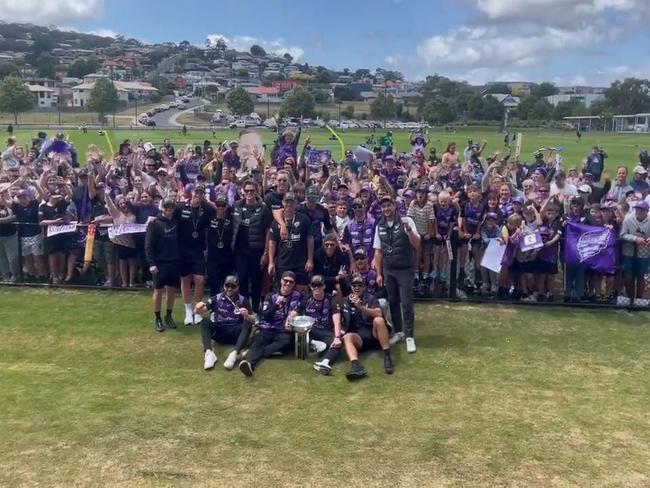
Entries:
{"x":364,"y":329}
{"x":229,"y":323}
{"x":275,"y":327}
{"x":326,"y":331}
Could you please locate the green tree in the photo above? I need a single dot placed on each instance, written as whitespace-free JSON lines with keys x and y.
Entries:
{"x":15,"y":97}
{"x":566,"y":109}
{"x":492,"y":109}
{"x":46,"y":66}
{"x":541,"y":111}
{"x":103,"y":98}
{"x":325,"y":76}
{"x":631,"y":96}
{"x":258,"y":51}
{"x":345,"y":93}
{"x":288,"y":58}
{"x":239,"y":102}
{"x":437,"y":112}
{"x":298,"y":102}
{"x":155,"y":97}
{"x":8,"y":69}
{"x":526,"y":106}
{"x":383,"y":107}
{"x":82,"y":67}
{"x":545,"y":89}
{"x":348,"y":112}
{"x":320,"y":96}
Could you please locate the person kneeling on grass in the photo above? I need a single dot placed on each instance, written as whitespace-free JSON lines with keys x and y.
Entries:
{"x":326,"y":332}
{"x":275,"y":326}
{"x":230,"y":323}
{"x":364,"y":329}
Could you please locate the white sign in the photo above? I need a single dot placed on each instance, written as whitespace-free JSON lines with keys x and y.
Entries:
{"x":55,"y":230}
{"x":493,"y":256}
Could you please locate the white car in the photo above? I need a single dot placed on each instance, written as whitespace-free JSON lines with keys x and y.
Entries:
{"x":238,"y":124}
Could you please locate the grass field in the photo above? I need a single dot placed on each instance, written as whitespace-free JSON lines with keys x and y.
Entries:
{"x":621,"y":148}
{"x":495,"y":396}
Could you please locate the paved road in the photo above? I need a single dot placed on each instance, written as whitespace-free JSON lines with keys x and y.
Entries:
{"x":168,"y":117}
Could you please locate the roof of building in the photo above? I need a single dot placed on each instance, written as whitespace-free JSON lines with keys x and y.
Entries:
{"x":119,"y":86}
{"x":263,"y":90}
{"x":40,"y":88}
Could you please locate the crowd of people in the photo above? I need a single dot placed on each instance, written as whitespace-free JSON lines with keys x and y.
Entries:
{"x":350,"y":242}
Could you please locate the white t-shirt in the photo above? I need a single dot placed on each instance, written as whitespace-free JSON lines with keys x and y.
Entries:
{"x":568,"y":191}
{"x":376,"y":243}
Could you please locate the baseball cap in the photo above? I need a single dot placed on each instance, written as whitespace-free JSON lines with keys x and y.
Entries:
{"x":360,"y":253}
{"x":147,"y":146}
{"x":231,"y":280}
{"x":584,"y":189}
{"x":348,"y":152}
{"x":23,"y":193}
{"x":409,"y":192}
{"x":289,"y":196}
{"x":221,"y":198}
{"x":642,"y":205}
{"x":641,"y":170}
{"x":317,"y":280}
{"x":289,"y":275}
{"x":358,"y":279}
{"x":518,"y":200}
{"x":199,"y":189}
{"x":330,"y":238}
{"x":342,"y":185}
{"x":588,"y":175}
{"x":386,"y":198}
{"x":168,"y":202}
{"x":491,"y":215}
{"x":357,"y":201}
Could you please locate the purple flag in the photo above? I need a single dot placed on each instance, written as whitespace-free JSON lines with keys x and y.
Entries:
{"x":593,"y":247}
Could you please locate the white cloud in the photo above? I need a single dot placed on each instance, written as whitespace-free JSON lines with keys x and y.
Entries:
{"x":47,"y":12}
{"x":522,"y":39}
{"x":243,"y":43}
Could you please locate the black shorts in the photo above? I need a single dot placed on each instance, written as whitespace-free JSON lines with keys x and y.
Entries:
{"x":167,"y":275}
{"x":368,"y":341}
{"x":58,"y":244}
{"x":192,"y":264}
{"x":225,"y":335}
{"x":439,"y":242}
{"x":546,"y":267}
{"x":124,"y":252}
{"x":323,"y":335}
{"x":302,"y":278}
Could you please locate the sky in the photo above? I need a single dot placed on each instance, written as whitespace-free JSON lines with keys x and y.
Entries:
{"x":586,"y":42}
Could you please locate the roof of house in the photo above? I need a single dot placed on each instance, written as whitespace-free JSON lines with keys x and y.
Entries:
{"x":39,"y":88}
{"x":119,"y":86}
{"x":263,"y":90}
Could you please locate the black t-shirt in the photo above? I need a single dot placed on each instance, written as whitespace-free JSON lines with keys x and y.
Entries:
{"x":192,"y":224}
{"x":98,"y":210}
{"x":28,"y":217}
{"x":273,"y":200}
{"x":292,"y":253}
{"x":48,"y":212}
{"x":219,"y":241}
{"x":353,"y":318}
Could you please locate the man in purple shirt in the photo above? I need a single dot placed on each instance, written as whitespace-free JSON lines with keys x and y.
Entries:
{"x":275,"y":327}
{"x":229,"y":323}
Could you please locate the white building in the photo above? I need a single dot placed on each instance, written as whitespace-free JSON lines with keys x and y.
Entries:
{"x":44,"y":96}
{"x":508,"y":101}
{"x":126,"y":90}
{"x":586,"y":98}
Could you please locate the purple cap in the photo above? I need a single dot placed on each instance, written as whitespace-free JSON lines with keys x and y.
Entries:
{"x":518,"y":200}
{"x":642,"y":205}
{"x":409,"y":193}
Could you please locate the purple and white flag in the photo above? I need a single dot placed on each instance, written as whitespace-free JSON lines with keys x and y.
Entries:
{"x":593,"y":247}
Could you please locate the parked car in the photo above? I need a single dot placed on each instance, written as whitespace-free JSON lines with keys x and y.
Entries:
{"x":238,"y":124}
{"x":185,"y":99}
{"x":151,"y":123}
{"x":151,"y":113}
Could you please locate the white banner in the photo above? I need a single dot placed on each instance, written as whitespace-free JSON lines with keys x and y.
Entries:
{"x":55,"y":230}
{"x":121,"y":229}
{"x":493,"y":256}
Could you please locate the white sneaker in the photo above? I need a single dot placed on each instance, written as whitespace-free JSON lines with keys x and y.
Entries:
{"x":640,"y":302}
{"x":197,"y":318}
{"x":189,"y":319}
{"x":323,"y":367}
{"x":209,"y":360}
{"x":244,"y":353}
{"x":410,"y":345}
{"x":230,"y":361}
{"x":318,"y":346}
{"x":397,"y":338}
{"x":622,"y":301}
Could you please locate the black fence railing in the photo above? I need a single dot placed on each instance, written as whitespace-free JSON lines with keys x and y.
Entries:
{"x":29,"y":258}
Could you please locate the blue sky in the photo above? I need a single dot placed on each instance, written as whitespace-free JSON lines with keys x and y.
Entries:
{"x":567,"y":41}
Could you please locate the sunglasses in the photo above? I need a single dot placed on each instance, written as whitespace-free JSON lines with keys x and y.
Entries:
{"x":357,"y":207}
{"x":229,"y":286}
{"x":249,"y":191}
{"x":317,"y":285}
{"x":330,"y":244}
{"x":287,"y":281}
{"x":543,"y":191}
{"x":357,"y":285}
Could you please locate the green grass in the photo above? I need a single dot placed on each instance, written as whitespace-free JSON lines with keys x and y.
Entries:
{"x":621,"y":148}
{"x":495,"y":396}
